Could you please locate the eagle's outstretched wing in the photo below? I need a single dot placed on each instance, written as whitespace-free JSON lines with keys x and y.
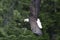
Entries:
{"x":34,"y":10}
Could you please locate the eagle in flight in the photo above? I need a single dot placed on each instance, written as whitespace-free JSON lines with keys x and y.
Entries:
{"x":33,"y":17}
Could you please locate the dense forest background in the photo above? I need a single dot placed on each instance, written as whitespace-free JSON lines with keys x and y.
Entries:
{"x":13,"y":13}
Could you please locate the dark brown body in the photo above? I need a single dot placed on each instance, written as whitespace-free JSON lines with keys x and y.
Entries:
{"x":34,"y":11}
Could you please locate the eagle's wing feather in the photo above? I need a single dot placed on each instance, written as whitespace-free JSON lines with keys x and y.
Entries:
{"x":34,"y":10}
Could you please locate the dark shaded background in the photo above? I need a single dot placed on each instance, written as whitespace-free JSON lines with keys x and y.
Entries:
{"x":13,"y":13}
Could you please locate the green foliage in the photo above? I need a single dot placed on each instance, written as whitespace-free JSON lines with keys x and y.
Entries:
{"x":17,"y":29}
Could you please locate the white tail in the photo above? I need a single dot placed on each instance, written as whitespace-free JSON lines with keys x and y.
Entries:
{"x":39,"y":23}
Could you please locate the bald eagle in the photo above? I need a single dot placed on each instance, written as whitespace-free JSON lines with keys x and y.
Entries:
{"x":33,"y":17}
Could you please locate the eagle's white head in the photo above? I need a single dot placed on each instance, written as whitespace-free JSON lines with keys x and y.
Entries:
{"x":26,"y":20}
